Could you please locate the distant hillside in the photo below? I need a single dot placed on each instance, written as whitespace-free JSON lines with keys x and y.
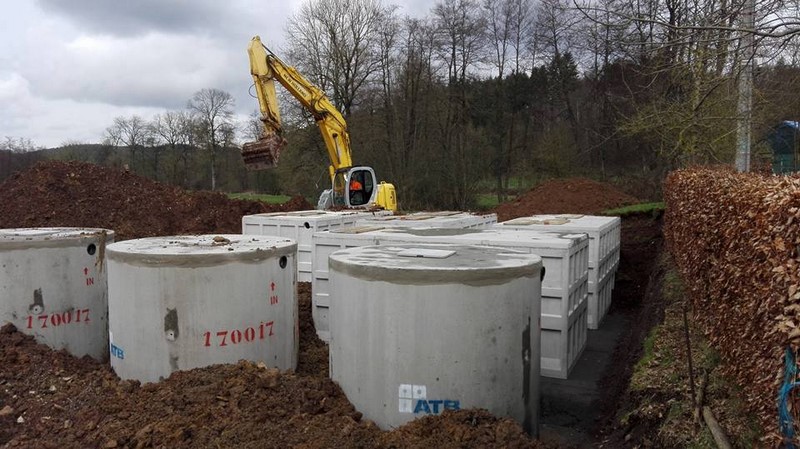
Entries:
{"x":184,"y":166}
{"x":11,"y":162}
{"x":89,"y":152}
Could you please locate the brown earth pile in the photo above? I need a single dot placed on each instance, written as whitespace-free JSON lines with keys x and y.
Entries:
{"x":57,"y":193}
{"x":565,"y":196}
{"x":734,"y":238}
{"x":50,"y":399}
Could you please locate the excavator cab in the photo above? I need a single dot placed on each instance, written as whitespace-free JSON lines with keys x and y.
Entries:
{"x":354,"y":187}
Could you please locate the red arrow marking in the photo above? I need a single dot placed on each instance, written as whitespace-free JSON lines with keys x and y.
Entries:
{"x":272,"y":286}
{"x":86,"y":271}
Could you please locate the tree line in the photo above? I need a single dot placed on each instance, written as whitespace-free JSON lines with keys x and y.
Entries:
{"x":491,"y":95}
{"x":503,"y":90}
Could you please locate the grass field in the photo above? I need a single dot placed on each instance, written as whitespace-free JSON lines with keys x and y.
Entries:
{"x":263,"y":197}
{"x":636,"y":208}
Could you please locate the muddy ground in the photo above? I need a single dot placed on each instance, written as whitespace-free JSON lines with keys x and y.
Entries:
{"x":51,"y":399}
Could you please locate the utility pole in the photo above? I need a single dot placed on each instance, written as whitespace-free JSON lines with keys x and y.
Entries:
{"x":744,"y":108}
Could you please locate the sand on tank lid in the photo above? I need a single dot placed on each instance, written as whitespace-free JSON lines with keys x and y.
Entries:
{"x":26,"y":238}
{"x":436,"y":264}
{"x":200,"y":250}
{"x":22,"y":234}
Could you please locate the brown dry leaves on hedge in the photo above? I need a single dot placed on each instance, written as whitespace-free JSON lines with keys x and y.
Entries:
{"x":734,"y":238}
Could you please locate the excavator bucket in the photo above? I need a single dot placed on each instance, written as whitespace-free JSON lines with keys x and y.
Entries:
{"x":263,"y":153}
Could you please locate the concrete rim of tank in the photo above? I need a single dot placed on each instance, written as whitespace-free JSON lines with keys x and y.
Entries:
{"x":516,"y":264}
{"x":59,"y":237}
{"x":126,"y":251}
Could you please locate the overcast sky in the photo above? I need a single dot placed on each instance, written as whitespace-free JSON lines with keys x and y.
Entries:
{"x":68,"y":67}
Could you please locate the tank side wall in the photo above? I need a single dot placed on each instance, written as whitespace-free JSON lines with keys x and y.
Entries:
{"x":165,"y":319}
{"x":58,"y":294}
{"x":401,"y":352}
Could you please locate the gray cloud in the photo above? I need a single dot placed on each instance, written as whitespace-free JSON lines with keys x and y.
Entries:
{"x":67,"y":67}
{"x":131,"y":18}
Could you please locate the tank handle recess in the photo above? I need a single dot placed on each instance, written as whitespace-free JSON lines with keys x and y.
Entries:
{"x":426,"y":253}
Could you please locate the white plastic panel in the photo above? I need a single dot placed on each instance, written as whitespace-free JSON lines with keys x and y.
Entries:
{"x":300,"y":226}
{"x":604,"y":244}
{"x":565,"y":258}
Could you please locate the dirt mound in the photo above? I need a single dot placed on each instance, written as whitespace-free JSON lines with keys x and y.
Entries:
{"x":51,"y":399}
{"x":56,"y":193}
{"x":460,"y":429}
{"x":565,"y":196}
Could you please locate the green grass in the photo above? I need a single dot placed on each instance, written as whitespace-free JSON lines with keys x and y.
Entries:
{"x":636,"y":209}
{"x":648,"y":353}
{"x":489,"y":200}
{"x":263,"y":197}
{"x":514,"y":183}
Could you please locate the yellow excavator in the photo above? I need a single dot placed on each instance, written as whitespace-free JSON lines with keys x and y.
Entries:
{"x":351,"y":186}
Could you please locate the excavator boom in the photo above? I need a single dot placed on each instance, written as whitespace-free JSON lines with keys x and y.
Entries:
{"x":266,"y":68}
{"x":350,"y":186}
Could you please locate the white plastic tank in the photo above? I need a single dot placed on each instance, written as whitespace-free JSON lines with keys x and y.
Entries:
{"x":565,"y":258}
{"x":178,"y":303}
{"x":422,"y":329}
{"x":53,"y":286}
{"x":300,"y":226}
{"x":604,"y":246}
{"x":440,"y":219}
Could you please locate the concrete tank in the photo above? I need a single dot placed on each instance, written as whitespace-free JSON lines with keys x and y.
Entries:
{"x":53,"y":286}
{"x":441,"y":219}
{"x":604,"y":245}
{"x":178,"y":303}
{"x":420,"y":329}
{"x":300,"y":226}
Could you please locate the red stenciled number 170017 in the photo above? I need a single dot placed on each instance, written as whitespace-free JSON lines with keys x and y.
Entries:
{"x":73,"y":316}
{"x":234,"y":337}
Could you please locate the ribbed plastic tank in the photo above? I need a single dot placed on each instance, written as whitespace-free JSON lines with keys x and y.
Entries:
{"x":300,"y":226}
{"x":178,"y":303}
{"x":604,"y":245}
{"x":441,"y":219}
{"x":423,"y":329}
{"x":565,"y":258}
{"x":53,"y":286}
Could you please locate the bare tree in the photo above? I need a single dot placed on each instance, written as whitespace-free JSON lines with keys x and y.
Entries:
{"x":521,"y":23}
{"x":498,"y":15}
{"x":213,"y":109}
{"x":336,"y":44}
{"x":18,"y":145}
{"x":131,"y":132}
{"x":462,"y":40}
{"x":175,"y":130}
{"x":461,"y":36}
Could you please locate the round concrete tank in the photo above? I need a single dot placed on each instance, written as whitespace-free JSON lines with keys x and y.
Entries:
{"x":53,"y":286}
{"x":178,"y":303}
{"x":419,"y":329}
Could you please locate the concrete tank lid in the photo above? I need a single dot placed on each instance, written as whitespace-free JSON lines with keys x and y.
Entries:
{"x":200,"y":250}
{"x":436,"y":264}
{"x":297,"y":213}
{"x":440,"y":216}
{"x":47,"y":236}
{"x":567,"y":239}
{"x":310,"y":215}
{"x":574,"y":221}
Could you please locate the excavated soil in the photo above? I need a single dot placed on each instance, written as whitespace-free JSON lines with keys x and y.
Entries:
{"x":565,"y":196}
{"x":51,"y":399}
{"x":56,"y":193}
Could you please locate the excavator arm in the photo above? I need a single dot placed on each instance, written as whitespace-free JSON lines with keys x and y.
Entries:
{"x":351,"y":187}
{"x":266,"y":68}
